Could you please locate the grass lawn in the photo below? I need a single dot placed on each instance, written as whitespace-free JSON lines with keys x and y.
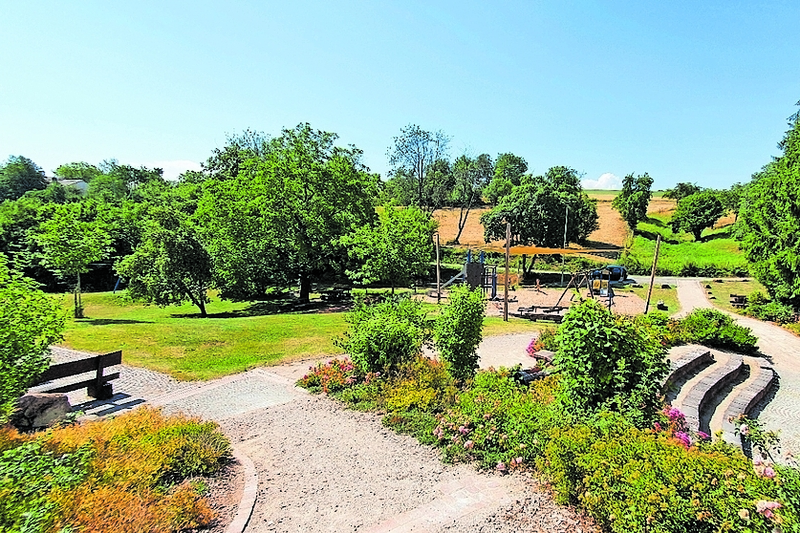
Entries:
{"x":722,"y":290}
{"x":668,"y":296}
{"x":234,"y":338}
{"x":717,"y":254}
{"x":174,"y":340}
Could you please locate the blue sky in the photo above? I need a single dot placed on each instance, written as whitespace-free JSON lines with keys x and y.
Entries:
{"x":686,"y":91}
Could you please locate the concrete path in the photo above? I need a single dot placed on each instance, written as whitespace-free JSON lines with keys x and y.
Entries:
{"x":781,"y":411}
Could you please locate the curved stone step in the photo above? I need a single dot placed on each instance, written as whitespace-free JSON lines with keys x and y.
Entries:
{"x":762,"y":378}
{"x":684,"y":366}
{"x":702,"y":391}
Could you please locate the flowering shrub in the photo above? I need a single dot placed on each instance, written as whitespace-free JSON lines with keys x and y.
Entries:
{"x":423,"y":385}
{"x":330,"y":377}
{"x":124,"y":474}
{"x":545,"y":340}
{"x":644,"y":480}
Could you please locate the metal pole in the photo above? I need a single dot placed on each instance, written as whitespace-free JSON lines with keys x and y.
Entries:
{"x":566,"y":219}
{"x":508,"y":253}
{"x":438,"y":274}
{"x":652,"y":274}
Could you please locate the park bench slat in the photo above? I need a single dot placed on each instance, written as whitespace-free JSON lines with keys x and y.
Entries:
{"x":84,"y":384}
{"x":72,"y":368}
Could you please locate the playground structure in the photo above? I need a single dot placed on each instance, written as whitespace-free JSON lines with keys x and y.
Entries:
{"x":476,"y":274}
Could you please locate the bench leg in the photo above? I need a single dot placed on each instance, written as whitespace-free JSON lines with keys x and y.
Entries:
{"x":104,"y":392}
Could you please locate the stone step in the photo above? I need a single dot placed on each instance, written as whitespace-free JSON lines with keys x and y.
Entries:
{"x":744,"y":398}
{"x":699,"y":391}
{"x":682,"y":368}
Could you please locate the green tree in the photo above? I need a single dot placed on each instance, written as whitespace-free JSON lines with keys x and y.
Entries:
{"x":282,"y":219}
{"x":457,"y":332}
{"x":537,"y":209}
{"x":681,"y":191}
{"x":508,"y":172}
{"x":415,"y":151}
{"x":633,"y":199}
{"x":78,"y":171}
{"x":227,"y":162}
{"x":396,"y":251}
{"x":471,"y":177}
{"x":30,"y":321}
{"x":70,"y":244}
{"x":769,"y":218}
{"x":19,"y":175}
{"x":609,"y":362}
{"x":170,"y":265}
{"x":697,"y":212}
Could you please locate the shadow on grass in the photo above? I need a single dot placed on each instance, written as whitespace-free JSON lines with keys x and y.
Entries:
{"x":276,"y":307}
{"x":110,"y":321}
{"x":652,"y":236}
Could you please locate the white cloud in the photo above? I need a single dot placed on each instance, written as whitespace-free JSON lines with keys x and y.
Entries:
{"x":607,"y":181}
{"x":172,"y":169}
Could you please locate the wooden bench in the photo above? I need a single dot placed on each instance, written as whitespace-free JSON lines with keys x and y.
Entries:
{"x":738,"y":301}
{"x":96,"y":387}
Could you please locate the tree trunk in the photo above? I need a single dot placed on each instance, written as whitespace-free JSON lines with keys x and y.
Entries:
{"x":78,"y":302}
{"x":202,"y":305}
{"x":305,"y":288}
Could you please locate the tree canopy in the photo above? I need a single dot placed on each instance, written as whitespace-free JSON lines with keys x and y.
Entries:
{"x":537,"y":209}
{"x":681,"y":191}
{"x":633,"y":199}
{"x":697,"y":212}
{"x":769,"y":220}
{"x":415,"y":152}
{"x":19,"y":175}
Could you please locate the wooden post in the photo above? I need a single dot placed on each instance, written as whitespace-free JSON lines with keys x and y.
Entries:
{"x":438,"y":273}
{"x":508,"y":253}
{"x":652,"y":274}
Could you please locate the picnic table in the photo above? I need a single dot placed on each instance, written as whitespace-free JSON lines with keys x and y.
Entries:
{"x":738,"y":301}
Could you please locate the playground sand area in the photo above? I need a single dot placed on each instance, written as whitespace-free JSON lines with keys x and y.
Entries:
{"x":624,"y":303}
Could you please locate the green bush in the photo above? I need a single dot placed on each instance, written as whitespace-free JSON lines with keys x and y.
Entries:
{"x":457,"y":333}
{"x":609,"y":362}
{"x":771,"y":311}
{"x":384,"y":335}
{"x":713,"y":328}
{"x":423,"y":385}
{"x":660,"y":325}
{"x":633,"y":480}
{"x":499,"y":422}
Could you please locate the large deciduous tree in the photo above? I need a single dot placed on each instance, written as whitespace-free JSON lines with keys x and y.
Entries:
{"x":70,"y":244}
{"x":30,"y":321}
{"x":170,"y":265}
{"x":397,"y":251}
{"x":682,"y":190}
{"x":508,"y":172}
{"x":769,"y":220}
{"x":537,"y":209}
{"x":697,"y":212}
{"x":633,"y":199}
{"x":281,"y":219}
{"x":18,"y":176}
{"x":414,"y":152}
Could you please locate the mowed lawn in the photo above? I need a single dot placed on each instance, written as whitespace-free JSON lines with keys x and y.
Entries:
{"x":234,"y":338}
{"x":176,"y":341}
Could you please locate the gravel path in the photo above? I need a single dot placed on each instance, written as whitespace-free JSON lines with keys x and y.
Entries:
{"x":781,"y":411}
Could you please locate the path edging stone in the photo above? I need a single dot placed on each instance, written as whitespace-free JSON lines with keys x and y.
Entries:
{"x":249,"y":493}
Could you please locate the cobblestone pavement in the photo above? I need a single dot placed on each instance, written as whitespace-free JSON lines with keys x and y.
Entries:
{"x":779,"y":411}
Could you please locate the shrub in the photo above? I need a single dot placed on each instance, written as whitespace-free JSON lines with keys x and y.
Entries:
{"x":634,"y":480}
{"x":384,"y":335}
{"x":710,"y":327}
{"x":771,"y":311}
{"x":424,"y":385}
{"x":608,"y":361}
{"x":498,"y":422}
{"x":661,"y":326}
{"x":457,"y":332}
{"x":333,"y":376}
{"x":546,"y":340}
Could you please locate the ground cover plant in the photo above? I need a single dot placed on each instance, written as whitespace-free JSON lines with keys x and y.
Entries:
{"x":626,"y":462}
{"x":133,"y":473}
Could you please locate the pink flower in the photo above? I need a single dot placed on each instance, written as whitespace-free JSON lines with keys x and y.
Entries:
{"x":703,"y":435}
{"x":765,"y":507}
{"x":469,"y":445}
{"x":463,"y":430}
{"x":744,"y":430}
{"x":501,"y":466}
{"x":518,"y":460}
{"x":769,"y":472}
{"x":684,"y":438}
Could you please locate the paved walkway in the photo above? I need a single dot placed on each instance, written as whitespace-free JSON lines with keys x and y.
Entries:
{"x":781,"y":411}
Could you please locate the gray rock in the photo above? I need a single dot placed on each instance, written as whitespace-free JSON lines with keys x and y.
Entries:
{"x":40,"y":410}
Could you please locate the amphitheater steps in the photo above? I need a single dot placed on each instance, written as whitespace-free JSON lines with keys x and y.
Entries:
{"x":712,"y":387}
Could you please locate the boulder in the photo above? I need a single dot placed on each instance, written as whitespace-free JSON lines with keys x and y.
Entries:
{"x":40,"y":410}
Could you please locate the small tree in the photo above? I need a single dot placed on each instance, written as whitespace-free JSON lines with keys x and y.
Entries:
{"x":397,"y":251}
{"x":471,"y":177}
{"x":633,"y":199}
{"x":697,"y":212}
{"x":609,"y":362}
{"x":170,"y":266}
{"x":70,"y":245}
{"x":681,"y":191}
{"x":457,"y":333}
{"x":30,"y":321}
